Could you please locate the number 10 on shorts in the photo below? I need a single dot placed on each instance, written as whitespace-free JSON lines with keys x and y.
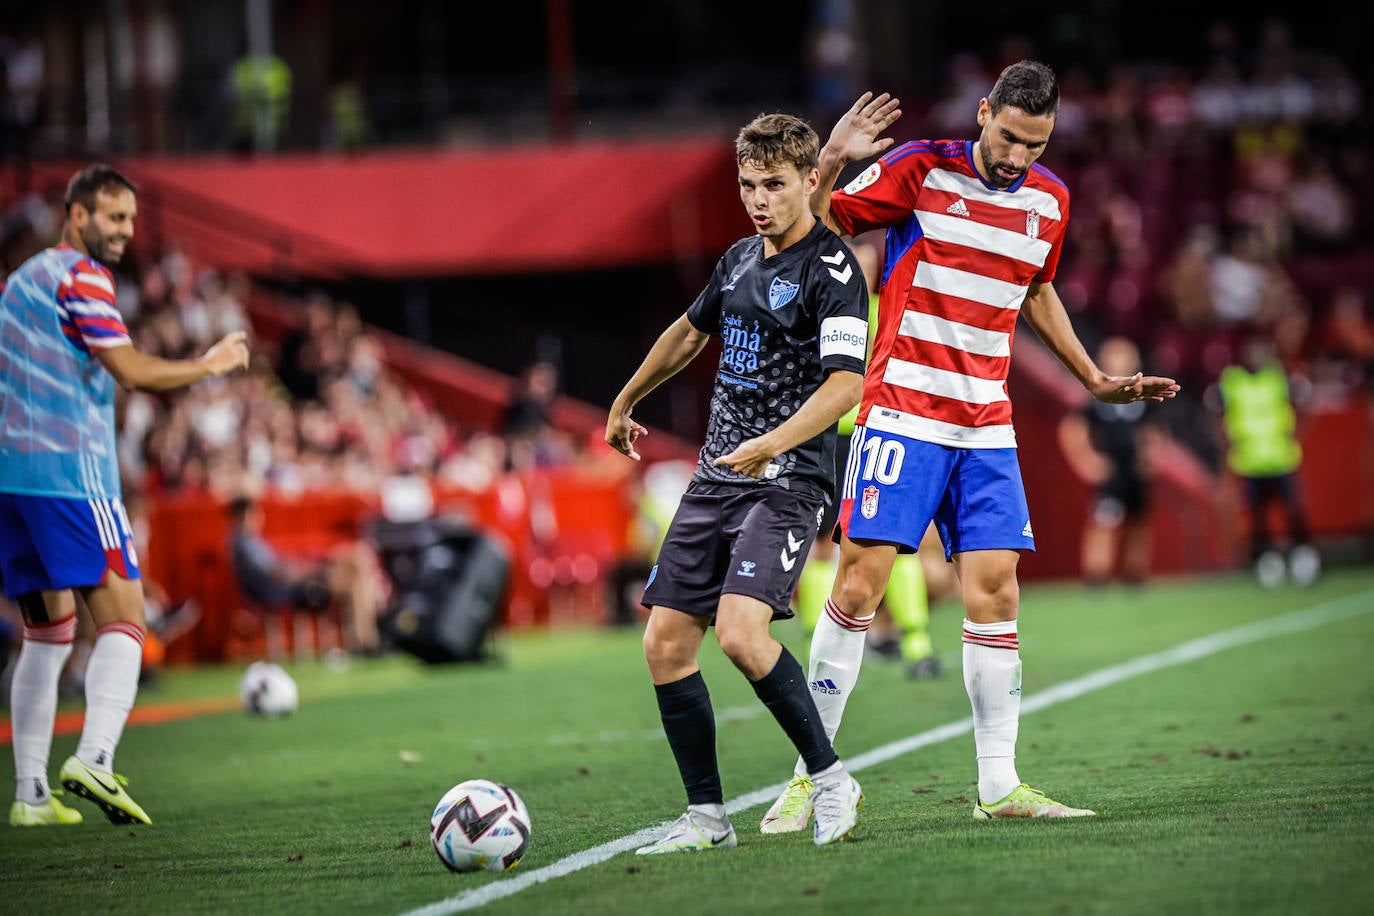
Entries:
{"x":882,"y":459}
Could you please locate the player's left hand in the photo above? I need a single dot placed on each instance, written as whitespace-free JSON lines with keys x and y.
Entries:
{"x":621,"y":433}
{"x":750,"y":459}
{"x":228,"y":354}
{"x":856,"y":135}
{"x":1120,"y":389}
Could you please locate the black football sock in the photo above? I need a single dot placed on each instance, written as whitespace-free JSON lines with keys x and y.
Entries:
{"x":784,"y":691}
{"x":690,"y":724}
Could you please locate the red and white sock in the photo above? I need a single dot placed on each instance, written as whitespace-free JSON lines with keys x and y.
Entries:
{"x":111,"y":685}
{"x":33,"y":704}
{"x":837,"y":651}
{"x":992,"y":677}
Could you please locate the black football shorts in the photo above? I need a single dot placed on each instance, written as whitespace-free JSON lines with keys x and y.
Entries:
{"x":1121,"y":497}
{"x":736,"y":540}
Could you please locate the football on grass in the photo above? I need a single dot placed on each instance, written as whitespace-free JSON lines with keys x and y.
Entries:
{"x":480,"y":824}
{"x":267,"y":690}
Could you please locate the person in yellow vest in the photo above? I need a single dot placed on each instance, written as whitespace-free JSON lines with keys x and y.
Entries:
{"x":917,"y":580}
{"x":348,"y":128}
{"x":1264,"y":453}
{"x":261,"y":86}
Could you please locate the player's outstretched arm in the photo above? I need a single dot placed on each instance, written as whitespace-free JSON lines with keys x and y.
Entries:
{"x":1045,"y":313}
{"x":833,"y":399}
{"x":854,"y":137}
{"x":675,"y":348}
{"x":135,"y":370}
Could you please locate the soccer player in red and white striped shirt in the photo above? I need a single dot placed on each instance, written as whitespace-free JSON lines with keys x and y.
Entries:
{"x":974,"y":230}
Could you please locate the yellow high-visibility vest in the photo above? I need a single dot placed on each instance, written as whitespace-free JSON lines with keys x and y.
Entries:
{"x":1259,"y":421}
{"x":262,"y":96}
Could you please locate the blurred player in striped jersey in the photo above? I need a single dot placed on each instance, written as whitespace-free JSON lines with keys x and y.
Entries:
{"x":63,"y":528}
{"x":974,"y":230}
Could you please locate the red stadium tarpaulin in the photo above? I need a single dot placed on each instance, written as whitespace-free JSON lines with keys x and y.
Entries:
{"x":446,"y":213}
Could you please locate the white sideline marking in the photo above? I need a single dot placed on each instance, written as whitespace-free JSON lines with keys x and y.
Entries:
{"x":1192,"y":650}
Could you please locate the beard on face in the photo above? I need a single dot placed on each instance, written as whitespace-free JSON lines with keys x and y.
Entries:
{"x":98,"y":245}
{"x":990,"y":166}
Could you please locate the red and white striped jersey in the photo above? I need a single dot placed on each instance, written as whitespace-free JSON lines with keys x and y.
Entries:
{"x":86,"y":306}
{"x":960,"y":256}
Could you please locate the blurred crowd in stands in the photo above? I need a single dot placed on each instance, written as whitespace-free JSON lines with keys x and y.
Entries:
{"x":1213,"y":200}
{"x":318,"y":410}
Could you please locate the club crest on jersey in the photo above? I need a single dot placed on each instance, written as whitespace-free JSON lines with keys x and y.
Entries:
{"x":866,"y":178}
{"x":1033,"y":223}
{"x":869,"y":506}
{"x":781,"y":292}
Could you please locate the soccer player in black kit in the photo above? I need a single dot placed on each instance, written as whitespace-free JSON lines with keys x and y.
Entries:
{"x":1108,"y":446}
{"x":791,"y":308}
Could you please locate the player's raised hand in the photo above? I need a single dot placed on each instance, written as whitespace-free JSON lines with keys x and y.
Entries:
{"x":856,"y":135}
{"x":750,"y":459}
{"x":621,"y":433}
{"x":1120,"y":389}
{"x":230,"y":353}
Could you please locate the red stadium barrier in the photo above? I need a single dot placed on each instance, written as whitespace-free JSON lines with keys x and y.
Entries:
{"x":1338,"y":470}
{"x":566,"y":528}
{"x":1198,"y":523}
{"x":563,"y":529}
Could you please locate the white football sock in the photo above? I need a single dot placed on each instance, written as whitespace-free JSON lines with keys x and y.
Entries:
{"x":837,"y":651}
{"x":992,"y":677}
{"x":111,"y":685}
{"x":33,"y":704}
{"x":714,"y":815}
{"x":831,"y":776}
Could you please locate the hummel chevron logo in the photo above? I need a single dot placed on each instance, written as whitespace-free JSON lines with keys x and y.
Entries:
{"x":838,"y":258}
{"x":793,"y":545}
{"x":958,"y":208}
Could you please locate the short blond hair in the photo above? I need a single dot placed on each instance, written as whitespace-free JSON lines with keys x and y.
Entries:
{"x":777,"y":139}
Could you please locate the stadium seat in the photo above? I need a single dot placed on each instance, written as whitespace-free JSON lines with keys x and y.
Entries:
{"x":283,"y":631}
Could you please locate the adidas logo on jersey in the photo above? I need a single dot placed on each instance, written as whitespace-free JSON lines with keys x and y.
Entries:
{"x":958,"y":208}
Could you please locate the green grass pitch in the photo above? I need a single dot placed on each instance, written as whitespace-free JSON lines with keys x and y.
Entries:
{"x":1241,"y":781}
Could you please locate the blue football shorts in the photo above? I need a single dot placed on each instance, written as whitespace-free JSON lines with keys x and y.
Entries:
{"x":49,"y":543}
{"x":895,"y":486}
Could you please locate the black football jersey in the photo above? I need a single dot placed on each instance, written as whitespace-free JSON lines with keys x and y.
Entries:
{"x":785,"y":323}
{"x":1115,"y":431}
